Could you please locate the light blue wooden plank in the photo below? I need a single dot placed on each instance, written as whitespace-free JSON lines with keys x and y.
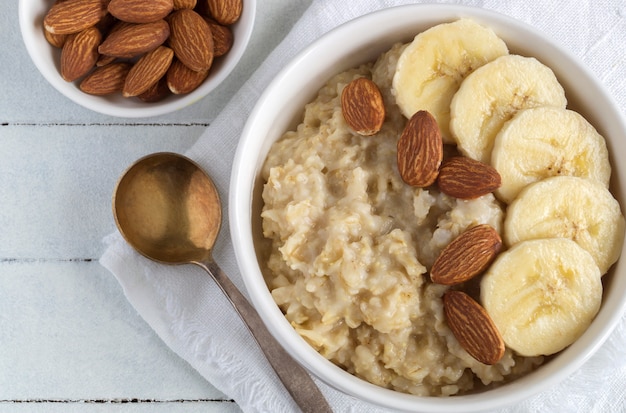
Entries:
{"x":56,"y":183}
{"x":68,"y":333}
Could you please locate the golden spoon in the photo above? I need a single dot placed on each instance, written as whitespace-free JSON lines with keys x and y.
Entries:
{"x":167,"y":208}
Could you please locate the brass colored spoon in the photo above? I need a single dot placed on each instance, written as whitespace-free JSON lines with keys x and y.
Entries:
{"x":168,"y":209}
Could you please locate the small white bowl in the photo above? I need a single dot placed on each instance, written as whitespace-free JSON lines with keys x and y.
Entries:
{"x":47,"y":60}
{"x":280,"y":108}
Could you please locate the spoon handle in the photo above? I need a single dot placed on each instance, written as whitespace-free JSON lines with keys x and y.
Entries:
{"x":293,"y":376}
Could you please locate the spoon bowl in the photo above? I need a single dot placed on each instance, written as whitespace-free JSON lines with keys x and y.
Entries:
{"x":167,"y":208}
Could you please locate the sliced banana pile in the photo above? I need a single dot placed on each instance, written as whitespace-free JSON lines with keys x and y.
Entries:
{"x":580,"y":209}
{"x":547,"y":141}
{"x":433,"y":66}
{"x":542,"y":294}
{"x":489,"y":96}
{"x":563,"y":228}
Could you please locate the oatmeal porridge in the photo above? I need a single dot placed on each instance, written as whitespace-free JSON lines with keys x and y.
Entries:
{"x":349,"y":247}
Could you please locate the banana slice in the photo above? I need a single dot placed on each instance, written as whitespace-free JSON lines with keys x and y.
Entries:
{"x":490,"y":96}
{"x":542,"y":295}
{"x":547,"y":141}
{"x":431,"y":68}
{"x":580,"y":209}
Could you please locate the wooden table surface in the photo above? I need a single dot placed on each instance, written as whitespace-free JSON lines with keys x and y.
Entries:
{"x":69,"y":340}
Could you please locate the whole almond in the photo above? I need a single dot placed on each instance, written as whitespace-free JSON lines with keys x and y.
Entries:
{"x":104,"y":60}
{"x":55,"y":40}
{"x":106,"y":80}
{"x":222,"y":37}
{"x":420,"y":150}
{"x":156,"y":92}
{"x":363,"y":107}
{"x":466,"y":178}
{"x":191,"y":39}
{"x":472,"y":327}
{"x":181,"y":79}
{"x":80,"y":53}
{"x":226,"y":11}
{"x":140,"y":11}
{"x":132,"y":40}
{"x":73,"y":16}
{"x":466,"y":256}
{"x":147,"y":71}
{"x":115,"y":26}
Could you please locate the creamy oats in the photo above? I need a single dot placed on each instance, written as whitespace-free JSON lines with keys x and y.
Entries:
{"x":350,"y":244}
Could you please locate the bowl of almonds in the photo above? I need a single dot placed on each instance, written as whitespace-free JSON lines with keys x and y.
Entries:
{"x":430,"y":216}
{"x":136,"y":58}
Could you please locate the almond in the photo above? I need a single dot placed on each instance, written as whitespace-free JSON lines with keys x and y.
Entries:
{"x":104,"y":60}
{"x":73,"y":16}
{"x":147,"y":71}
{"x":222,"y":37}
{"x":106,"y":79}
{"x":181,"y":79}
{"x":466,"y":178}
{"x":420,"y":150}
{"x":115,"y":26}
{"x":466,"y":256}
{"x":156,"y":92}
{"x":472,"y":327}
{"x":191,"y":39}
{"x":363,"y":107}
{"x":184,"y":4}
{"x":132,"y":40}
{"x":55,"y":40}
{"x":140,"y":11}
{"x":226,"y":11}
{"x":80,"y":53}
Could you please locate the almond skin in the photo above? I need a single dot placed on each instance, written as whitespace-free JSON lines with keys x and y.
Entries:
{"x":420,"y":150}
{"x":104,"y":60}
{"x":226,"y":12}
{"x":181,"y":79}
{"x":472,"y":327}
{"x":156,"y":92}
{"x":466,"y":178}
{"x":191,"y":39}
{"x":363,"y":107}
{"x":222,"y":37}
{"x":466,"y":256}
{"x":184,"y":4}
{"x":140,"y":11}
{"x":147,"y":71}
{"x":73,"y":16}
{"x":105,"y":80}
{"x":131,"y":40}
{"x":55,"y":40}
{"x":80,"y":53}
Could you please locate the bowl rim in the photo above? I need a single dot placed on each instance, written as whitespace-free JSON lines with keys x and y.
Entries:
{"x":30,"y":15}
{"x":246,"y":166}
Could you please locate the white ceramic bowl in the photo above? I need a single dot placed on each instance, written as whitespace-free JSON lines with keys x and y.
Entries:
{"x":47,"y":58}
{"x":280,"y":108}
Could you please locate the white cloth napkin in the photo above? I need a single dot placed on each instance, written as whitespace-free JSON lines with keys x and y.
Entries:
{"x":192,"y":317}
